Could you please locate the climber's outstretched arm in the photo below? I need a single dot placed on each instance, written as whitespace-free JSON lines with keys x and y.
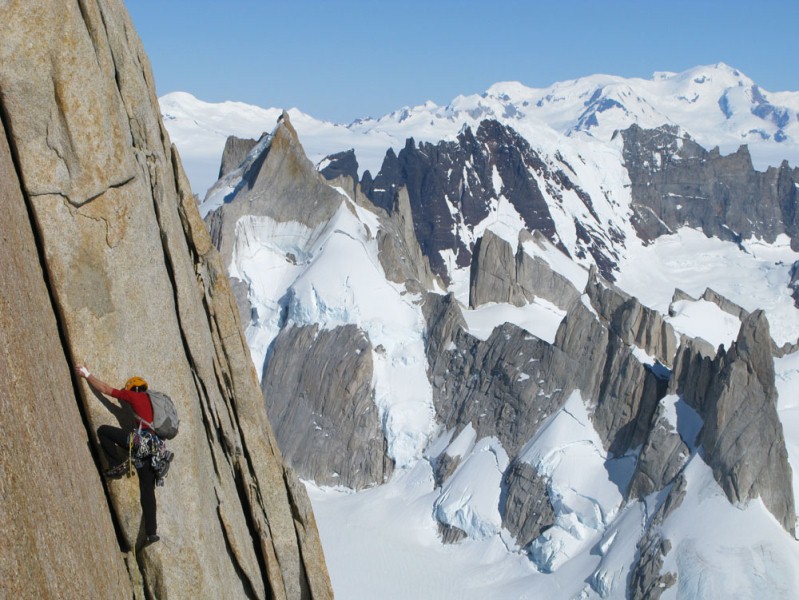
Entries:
{"x":98,"y":384}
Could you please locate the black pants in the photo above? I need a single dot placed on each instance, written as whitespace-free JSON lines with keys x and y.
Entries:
{"x":114,"y":442}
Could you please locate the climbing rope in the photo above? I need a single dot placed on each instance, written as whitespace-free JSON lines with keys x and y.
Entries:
{"x":131,"y":440}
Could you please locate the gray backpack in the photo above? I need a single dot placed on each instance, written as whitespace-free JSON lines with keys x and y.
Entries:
{"x":165,"y":416}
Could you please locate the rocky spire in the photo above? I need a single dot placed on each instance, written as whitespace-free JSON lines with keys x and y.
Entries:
{"x":278,"y":182}
{"x":743,"y":435}
{"x":499,"y":275}
{"x":318,"y":388}
{"x":234,"y":153}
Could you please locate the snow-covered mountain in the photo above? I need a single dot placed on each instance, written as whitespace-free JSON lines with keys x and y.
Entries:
{"x":716,"y":104}
{"x":476,"y":411}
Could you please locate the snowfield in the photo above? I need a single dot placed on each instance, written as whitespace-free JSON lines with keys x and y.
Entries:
{"x":390,"y":532}
{"x":756,"y":277}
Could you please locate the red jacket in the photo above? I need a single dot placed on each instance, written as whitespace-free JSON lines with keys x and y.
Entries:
{"x":139,"y":402}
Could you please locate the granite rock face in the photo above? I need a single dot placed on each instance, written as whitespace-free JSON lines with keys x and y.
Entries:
{"x":734,"y":391}
{"x":647,"y":581}
{"x":508,"y":385}
{"x":341,"y":164}
{"x":526,"y":508}
{"x":661,"y":460}
{"x":636,"y":324}
{"x":234,"y":153}
{"x":318,"y":390}
{"x":626,"y":400}
{"x":493,"y":273}
{"x":279,"y":183}
{"x":136,"y":287}
{"x":44,"y":494}
{"x":582,"y":336}
{"x":451,"y":186}
{"x":538,"y":279}
{"x":398,"y":250}
{"x":497,"y":385}
{"x":597,"y":333}
{"x":725,"y":304}
{"x":743,"y":435}
{"x":693,"y":371}
{"x":500,"y":275}
{"x":676,"y":182}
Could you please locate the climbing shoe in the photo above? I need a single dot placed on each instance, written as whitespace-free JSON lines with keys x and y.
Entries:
{"x":117,"y":471}
{"x":150,"y":539}
{"x":164,"y":467}
{"x":168,"y":456}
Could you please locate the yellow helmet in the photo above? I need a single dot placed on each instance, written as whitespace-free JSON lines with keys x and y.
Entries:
{"x":135,"y":382}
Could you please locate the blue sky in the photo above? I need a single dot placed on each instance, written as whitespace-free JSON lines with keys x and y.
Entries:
{"x":343,"y":59}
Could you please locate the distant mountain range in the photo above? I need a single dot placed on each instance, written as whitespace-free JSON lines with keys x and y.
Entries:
{"x":716,"y":105}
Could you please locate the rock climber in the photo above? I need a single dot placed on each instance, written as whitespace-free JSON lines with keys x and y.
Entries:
{"x":140,"y":447}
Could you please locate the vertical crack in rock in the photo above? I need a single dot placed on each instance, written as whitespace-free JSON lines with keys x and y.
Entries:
{"x":56,"y":309}
{"x":243,"y":473}
{"x":302,"y":515}
{"x":232,"y":544}
{"x":44,"y":363}
{"x":244,"y":476}
{"x":89,"y":143}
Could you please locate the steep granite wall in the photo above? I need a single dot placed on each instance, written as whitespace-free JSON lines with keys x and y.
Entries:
{"x":499,"y":275}
{"x":234,"y":153}
{"x":318,"y":390}
{"x":675,"y":183}
{"x":49,"y":483}
{"x":452,"y":185}
{"x":136,"y":288}
{"x":743,"y":434}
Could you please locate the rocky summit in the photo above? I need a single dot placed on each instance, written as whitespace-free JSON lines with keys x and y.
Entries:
{"x":451,"y":185}
{"x":106,"y":261}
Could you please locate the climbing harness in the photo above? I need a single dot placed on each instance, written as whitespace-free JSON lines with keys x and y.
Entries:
{"x":146,"y":447}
